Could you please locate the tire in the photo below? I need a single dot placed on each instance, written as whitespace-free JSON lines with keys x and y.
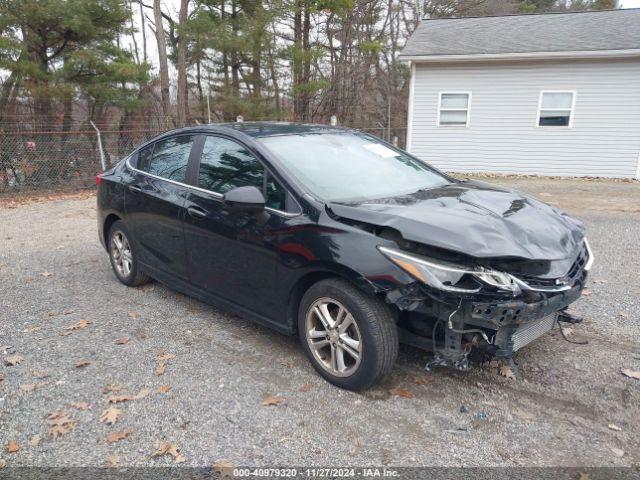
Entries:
{"x":367,"y":331}
{"x":128,"y":272}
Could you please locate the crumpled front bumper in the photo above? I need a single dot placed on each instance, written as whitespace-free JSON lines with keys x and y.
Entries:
{"x":518,"y":323}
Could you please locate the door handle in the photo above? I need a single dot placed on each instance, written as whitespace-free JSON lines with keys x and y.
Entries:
{"x":197,"y":212}
{"x":135,"y":188}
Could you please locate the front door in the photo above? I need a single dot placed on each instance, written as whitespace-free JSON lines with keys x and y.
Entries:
{"x":154,"y":203}
{"x":232,"y":254}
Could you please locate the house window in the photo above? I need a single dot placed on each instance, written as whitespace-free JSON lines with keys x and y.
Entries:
{"x":453,"y":109}
{"x":556,"y":109}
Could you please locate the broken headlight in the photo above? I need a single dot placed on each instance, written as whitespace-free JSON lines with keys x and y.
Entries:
{"x":450,"y":277}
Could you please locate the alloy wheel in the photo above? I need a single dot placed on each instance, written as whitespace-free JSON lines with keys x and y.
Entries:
{"x":333,"y":337}
{"x":121,"y":254}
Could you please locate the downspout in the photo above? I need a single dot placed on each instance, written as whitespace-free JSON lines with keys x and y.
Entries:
{"x":410,"y":108}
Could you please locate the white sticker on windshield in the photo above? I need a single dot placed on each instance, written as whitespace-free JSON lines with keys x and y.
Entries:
{"x":381,"y":150}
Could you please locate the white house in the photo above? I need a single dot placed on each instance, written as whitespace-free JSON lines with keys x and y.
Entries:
{"x":550,"y":94}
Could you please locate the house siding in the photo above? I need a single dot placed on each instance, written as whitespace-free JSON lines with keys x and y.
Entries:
{"x":503,"y":136}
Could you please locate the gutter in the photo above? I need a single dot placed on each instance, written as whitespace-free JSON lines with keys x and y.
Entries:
{"x":565,"y":55}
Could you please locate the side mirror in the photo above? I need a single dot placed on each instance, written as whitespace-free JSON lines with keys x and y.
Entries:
{"x":244,"y":198}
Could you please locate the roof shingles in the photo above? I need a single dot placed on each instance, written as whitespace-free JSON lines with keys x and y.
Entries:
{"x":558,"y":32}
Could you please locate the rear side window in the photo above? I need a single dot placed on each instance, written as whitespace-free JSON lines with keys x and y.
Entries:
{"x":169,"y":158}
{"x":226,"y":164}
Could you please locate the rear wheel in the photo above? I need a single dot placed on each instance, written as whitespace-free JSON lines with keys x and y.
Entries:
{"x":350,"y":338}
{"x":123,"y":258}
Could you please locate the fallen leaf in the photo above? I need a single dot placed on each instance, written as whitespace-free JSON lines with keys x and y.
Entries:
{"x":401,"y":392}
{"x":65,"y":333}
{"x":143,"y":393}
{"x":30,"y":387}
{"x":134,"y":315}
{"x":584,"y":476}
{"x":224,"y":468}
{"x":79,"y":325}
{"x":631,"y":373}
{"x":507,"y":372}
{"x":586,"y":293}
{"x":306,"y":387}
{"x":119,"y":398}
{"x":39,"y":374}
{"x":112,"y":388}
{"x":81,"y":405}
{"x":164,"y":389}
{"x":271,"y":400}
{"x":613,"y":426}
{"x":60,"y":423}
{"x":523,"y":415}
{"x":35,"y":441}
{"x":2,"y":377}
{"x":112,"y":460}
{"x":167,"y":448}
{"x":83,"y":363}
{"x":357,"y":446}
{"x":568,"y":331}
{"x":122,"y":341}
{"x":422,"y":380}
{"x":2,"y":463}
{"x":114,"y":437}
{"x":623,"y":315}
{"x":110,"y":415}
{"x":165,"y":357}
{"x":46,"y":274}
{"x":32,"y":328}
{"x":160,"y":369}
{"x":12,"y":447}
{"x":13,"y":360}
{"x":617,"y":452}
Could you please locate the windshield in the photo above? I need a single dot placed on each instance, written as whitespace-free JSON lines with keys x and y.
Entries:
{"x":348,"y":167}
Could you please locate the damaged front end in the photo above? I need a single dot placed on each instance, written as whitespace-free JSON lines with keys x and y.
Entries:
{"x":491,"y":268}
{"x":452,"y":309}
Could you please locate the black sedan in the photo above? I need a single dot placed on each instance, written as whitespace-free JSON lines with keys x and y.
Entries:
{"x":347,"y":241}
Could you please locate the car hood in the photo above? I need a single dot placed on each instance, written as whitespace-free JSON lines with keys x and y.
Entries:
{"x":476,"y":219}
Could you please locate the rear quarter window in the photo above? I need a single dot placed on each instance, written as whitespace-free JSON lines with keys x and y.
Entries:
{"x":167,"y":158}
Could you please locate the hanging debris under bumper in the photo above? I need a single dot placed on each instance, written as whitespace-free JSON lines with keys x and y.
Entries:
{"x":451,"y":326}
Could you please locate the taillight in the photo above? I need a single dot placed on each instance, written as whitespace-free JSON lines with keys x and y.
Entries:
{"x":98,"y":179}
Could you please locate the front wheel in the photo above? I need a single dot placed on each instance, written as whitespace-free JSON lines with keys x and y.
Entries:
{"x":122,"y":256}
{"x":350,"y":338}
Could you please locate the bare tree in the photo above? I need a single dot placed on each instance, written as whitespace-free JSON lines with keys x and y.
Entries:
{"x":162,"y":59}
{"x":183,"y":94}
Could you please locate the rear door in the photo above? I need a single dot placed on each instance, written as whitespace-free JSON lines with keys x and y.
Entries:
{"x":154,"y":203}
{"x":233,"y":254}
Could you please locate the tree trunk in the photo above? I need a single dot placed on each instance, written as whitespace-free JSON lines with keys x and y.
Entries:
{"x":143,"y":29}
{"x":235,"y":63}
{"x":162,"y":61}
{"x":182,"y":65}
{"x":296,"y":61}
{"x":306,"y":64}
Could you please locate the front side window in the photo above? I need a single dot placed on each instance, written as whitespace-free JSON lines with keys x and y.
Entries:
{"x":169,"y":158}
{"x":351,"y":167}
{"x":226,"y":164}
{"x":453,"y":109}
{"x":556,"y":109}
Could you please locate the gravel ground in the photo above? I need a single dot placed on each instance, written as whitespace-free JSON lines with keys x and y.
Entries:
{"x":574,"y":407}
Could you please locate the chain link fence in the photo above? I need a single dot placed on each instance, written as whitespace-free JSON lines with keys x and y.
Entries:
{"x":69,"y":160}
{"x":49,"y":160}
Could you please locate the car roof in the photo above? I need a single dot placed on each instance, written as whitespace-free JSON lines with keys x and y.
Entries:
{"x":272,"y":129}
